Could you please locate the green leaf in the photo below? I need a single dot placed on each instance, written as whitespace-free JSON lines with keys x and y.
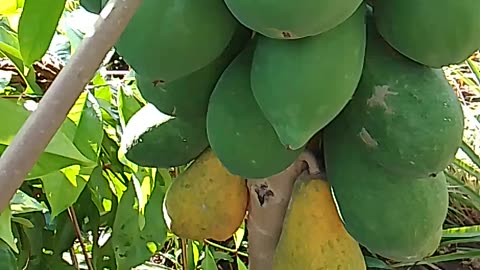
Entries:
{"x":129,"y":241}
{"x":128,"y":104}
{"x":468,"y":231}
{"x":8,"y":7}
{"x":65,"y":186}
{"x":87,"y":116}
{"x":37,"y":26}
{"x":10,"y":49}
{"x":60,"y":152}
{"x":21,"y":203}
{"x":376,"y":263}
{"x":6,"y":233}
{"x":8,"y":261}
{"x":208,"y":262}
{"x":241,"y":265}
{"x":102,"y":196}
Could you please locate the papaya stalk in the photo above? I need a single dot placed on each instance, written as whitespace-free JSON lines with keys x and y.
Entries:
{"x":268,"y":202}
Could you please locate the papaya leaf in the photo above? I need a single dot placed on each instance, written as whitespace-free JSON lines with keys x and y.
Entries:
{"x":208,"y":262}
{"x":60,"y":152}
{"x":128,"y":104}
{"x":101,"y":194}
{"x":9,"y":48}
{"x":8,"y":7}
{"x":238,"y":236}
{"x":6,"y":233}
{"x":241,"y":265}
{"x":374,"y":263}
{"x":89,"y":133}
{"x":130,"y":242}
{"x":37,"y":26}
{"x":65,"y":186}
{"x":22,"y":203}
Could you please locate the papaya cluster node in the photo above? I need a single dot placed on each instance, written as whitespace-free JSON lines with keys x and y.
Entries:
{"x":242,"y":88}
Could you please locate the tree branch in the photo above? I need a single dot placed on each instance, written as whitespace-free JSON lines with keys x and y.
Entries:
{"x":36,"y":133}
{"x":269,"y":198}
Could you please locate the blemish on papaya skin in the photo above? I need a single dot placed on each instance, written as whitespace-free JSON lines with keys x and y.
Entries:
{"x":379,"y":98}
{"x":157,"y":82}
{"x":283,"y":34}
{"x":367,"y":138}
{"x":263,"y":193}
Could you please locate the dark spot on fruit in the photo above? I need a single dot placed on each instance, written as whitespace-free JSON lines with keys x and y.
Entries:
{"x":286,"y":34}
{"x":157,"y":82}
{"x":433,"y":175}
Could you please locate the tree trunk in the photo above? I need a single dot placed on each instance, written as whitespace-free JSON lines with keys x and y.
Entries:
{"x":269,"y":198}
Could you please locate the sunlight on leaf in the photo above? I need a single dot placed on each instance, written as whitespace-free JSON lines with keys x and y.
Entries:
{"x":37,"y":26}
{"x":21,"y":203}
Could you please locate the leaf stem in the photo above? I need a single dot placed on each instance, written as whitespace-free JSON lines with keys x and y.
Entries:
{"x":213,"y":244}
{"x":73,"y":218}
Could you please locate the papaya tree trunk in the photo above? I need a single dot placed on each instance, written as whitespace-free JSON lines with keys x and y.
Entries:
{"x":268,"y":202}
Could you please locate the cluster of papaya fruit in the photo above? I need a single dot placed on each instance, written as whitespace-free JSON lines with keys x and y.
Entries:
{"x":242,"y":86}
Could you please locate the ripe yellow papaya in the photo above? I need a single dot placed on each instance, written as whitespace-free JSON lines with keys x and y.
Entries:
{"x":313,"y":235}
{"x":205,"y":201}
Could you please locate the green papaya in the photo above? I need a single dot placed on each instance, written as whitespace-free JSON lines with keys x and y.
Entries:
{"x":169,"y":39}
{"x":403,"y":115}
{"x":189,"y":95}
{"x":292,"y":19}
{"x":93,"y":6}
{"x":301,"y":85}
{"x":154,"y":139}
{"x":397,"y":217}
{"x":435,"y":33}
{"x":238,"y":132}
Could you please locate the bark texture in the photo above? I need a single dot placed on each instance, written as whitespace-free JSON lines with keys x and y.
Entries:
{"x":269,"y":199}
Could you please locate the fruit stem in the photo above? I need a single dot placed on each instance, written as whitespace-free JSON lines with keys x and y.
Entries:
{"x":269,"y":198}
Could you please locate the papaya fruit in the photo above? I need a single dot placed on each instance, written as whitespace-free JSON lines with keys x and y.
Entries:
{"x":238,"y":132}
{"x":93,"y":6}
{"x":154,"y":139}
{"x":404,"y":115}
{"x":166,"y":40}
{"x":313,"y":235}
{"x":395,"y":216}
{"x":301,"y":85}
{"x":189,"y":95}
{"x":205,"y":201}
{"x":435,"y":33}
{"x":291,"y":19}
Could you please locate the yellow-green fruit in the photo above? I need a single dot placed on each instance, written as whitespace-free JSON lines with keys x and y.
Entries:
{"x":313,"y":235}
{"x":206,"y":201}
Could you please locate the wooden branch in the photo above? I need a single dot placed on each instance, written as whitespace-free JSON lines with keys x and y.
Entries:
{"x":37,"y":132}
{"x":269,"y":199}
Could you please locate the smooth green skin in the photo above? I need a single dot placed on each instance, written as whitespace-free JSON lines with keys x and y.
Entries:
{"x":397,"y":217}
{"x":93,"y":6}
{"x":154,"y":139}
{"x":403,"y":115}
{"x":292,"y":19}
{"x":433,"y":32}
{"x":238,"y":133}
{"x":189,"y":95}
{"x":301,"y":85}
{"x":168,"y":39}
